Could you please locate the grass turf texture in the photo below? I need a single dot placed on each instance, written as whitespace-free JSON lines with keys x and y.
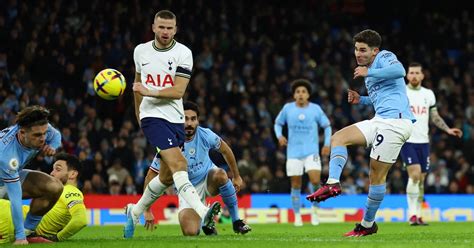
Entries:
{"x":436,"y":235}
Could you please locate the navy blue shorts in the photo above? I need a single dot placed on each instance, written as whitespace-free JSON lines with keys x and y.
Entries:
{"x":416,"y":154}
{"x":163,"y":134}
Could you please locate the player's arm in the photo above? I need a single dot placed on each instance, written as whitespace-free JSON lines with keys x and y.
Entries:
{"x":354,"y":98}
{"x":390,"y":68}
{"x":77,"y":210}
{"x":14,"y":194}
{"x":323,"y":121}
{"x":175,"y":92}
{"x":137,"y":98}
{"x":149,"y":217}
{"x":441,"y":124}
{"x":53,"y":141}
{"x":278,"y":127}
{"x":230,"y":160}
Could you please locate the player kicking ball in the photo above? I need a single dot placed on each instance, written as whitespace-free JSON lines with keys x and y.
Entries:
{"x":385,"y":133}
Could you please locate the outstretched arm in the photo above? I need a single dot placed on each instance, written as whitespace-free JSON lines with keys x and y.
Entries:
{"x":441,"y":124}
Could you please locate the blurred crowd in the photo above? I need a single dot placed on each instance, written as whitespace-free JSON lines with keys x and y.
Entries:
{"x":245,"y":55}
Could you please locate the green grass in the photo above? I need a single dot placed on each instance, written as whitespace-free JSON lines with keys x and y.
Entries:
{"x":436,"y":235}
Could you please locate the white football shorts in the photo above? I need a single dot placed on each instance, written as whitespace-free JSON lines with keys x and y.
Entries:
{"x":294,"y":167}
{"x":385,"y":136}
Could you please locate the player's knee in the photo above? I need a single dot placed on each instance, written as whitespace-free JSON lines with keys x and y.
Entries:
{"x":416,"y":178}
{"x":190,"y":231}
{"x":220,"y":177}
{"x":337,"y":139}
{"x":54,"y":188}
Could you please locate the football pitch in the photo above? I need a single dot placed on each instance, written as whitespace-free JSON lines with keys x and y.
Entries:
{"x":437,"y":235}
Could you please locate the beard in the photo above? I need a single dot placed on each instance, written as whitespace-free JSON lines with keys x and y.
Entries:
{"x":189,"y":131}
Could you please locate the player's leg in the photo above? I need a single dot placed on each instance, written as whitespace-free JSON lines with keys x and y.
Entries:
{"x":178,"y":167}
{"x":424,"y":155}
{"x":351,"y":135}
{"x":44,"y":190}
{"x":218,"y":182}
{"x":411,"y":160}
{"x":421,"y":200}
{"x":154,"y":187}
{"x":386,"y":146}
{"x":168,"y":138}
{"x":294,"y":170}
{"x":189,"y":221}
{"x":356,"y":134}
{"x":413,"y":192}
{"x":313,"y":169}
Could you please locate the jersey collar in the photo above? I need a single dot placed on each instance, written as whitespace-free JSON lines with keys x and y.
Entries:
{"x":173,"y":43}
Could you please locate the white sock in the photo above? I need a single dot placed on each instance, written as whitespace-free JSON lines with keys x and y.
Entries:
{"x":367,"y":224}
{"x":419,"y":205}
{"x":332,"y":181}
{"x":188,"y":192}
{"x":413,"y":193}
{"x":154,"y":190}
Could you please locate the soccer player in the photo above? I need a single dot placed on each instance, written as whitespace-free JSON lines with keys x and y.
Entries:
{"x":303,"y":119}
{"x":19,"y":144}
{"x":163,"y":69}
{"x":67,"y":217}
{"x":207,"y":178}
{"x":415,"y":152}
{"x":385,"y":133}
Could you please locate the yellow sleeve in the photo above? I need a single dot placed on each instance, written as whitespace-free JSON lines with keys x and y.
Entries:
{"x":77,"y":222}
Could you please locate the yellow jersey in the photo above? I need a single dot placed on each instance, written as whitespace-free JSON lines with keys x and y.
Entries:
{"x":67,"y":217}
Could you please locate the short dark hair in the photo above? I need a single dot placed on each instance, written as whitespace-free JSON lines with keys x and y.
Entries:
{"x":191,"y":106}
{"x":301,"y":82}
{"x":369,"y":37}
{"x":165,"y":14}
{"x":32,"y":116}
{"x":415,"y":64}
{"x":72,"y":162}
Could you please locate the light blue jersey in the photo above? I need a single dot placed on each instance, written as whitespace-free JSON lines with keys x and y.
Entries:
{"x":14,"y":157}
{"x":386,"y":86}
{"x":196,"y":152}
{"x":303,"y":124}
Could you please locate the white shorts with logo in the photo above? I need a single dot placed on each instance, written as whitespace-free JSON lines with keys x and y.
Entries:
{"x":294,"y":166}
{"x":385,"y":136}
{"x":201,"y":189}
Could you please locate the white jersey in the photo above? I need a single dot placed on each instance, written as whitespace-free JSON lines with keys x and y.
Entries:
{"x":421,"y":101}
{"x":158,"y":69}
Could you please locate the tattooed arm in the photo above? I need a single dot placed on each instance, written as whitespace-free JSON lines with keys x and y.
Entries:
{"x":441,"y":124}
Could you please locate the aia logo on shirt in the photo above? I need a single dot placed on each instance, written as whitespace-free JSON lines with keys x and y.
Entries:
{"x":419,"y":110}
{"x":159,"y":81}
